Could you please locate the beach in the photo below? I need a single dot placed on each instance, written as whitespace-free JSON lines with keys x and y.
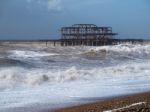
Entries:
{"x":129,"y":103}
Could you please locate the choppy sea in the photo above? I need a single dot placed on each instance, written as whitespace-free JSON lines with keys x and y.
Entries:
{"x":44,"y":78}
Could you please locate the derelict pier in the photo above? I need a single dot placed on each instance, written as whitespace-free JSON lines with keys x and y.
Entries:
{"x":86,"y":34}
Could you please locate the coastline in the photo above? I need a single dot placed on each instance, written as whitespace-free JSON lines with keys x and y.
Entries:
{"x":129,"y":103}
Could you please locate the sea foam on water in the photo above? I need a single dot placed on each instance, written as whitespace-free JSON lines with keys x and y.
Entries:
{"x":64,"y":75}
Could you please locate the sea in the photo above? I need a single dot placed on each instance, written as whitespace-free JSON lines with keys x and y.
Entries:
{"x":40,"y":79}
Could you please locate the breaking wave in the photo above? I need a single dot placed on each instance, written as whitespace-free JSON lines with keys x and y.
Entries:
{"x":104,"y":52}
{"x":120,"y":51}
{"x":29,"y":54}
{"x":60,"y":72}
{"x":21,"y":76}
{"x":32,"y":76}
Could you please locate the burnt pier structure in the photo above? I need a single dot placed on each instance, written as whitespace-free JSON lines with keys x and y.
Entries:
{"x":86,"y":34}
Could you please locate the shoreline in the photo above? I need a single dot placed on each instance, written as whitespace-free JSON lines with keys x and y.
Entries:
{"x":139,"y":102}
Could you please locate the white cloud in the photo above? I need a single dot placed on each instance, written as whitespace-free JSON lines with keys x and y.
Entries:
{"x":53,"y":5}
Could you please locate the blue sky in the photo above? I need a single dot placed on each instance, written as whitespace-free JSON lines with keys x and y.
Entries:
{"x":42,"y":19}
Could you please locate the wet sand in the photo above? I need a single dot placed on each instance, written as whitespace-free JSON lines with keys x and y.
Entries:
{"x":129,"y":103}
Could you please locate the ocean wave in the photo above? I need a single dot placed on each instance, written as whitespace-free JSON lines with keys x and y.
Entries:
{"x":119,"y":51}
{"x":29,"y":54}
{"x":34,"y":77}
{"x":71,"y":72}
{"x":6,"y":62}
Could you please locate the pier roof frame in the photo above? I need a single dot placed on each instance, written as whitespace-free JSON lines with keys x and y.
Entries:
{"x":79,"y":31}
{"x":84,"y":25}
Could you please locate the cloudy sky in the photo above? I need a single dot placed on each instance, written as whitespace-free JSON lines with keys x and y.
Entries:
{"x":42,"y":19}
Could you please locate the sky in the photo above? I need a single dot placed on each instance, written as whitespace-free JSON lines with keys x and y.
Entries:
{"x":43,"y":19}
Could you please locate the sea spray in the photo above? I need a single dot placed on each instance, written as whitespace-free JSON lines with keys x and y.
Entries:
{"x":50,"y":77}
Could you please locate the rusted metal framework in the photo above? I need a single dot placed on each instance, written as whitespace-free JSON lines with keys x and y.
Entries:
{"x":86,"y":34}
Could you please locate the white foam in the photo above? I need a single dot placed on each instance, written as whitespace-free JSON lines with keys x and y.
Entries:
{"x":126,"y":107}
{"x":135,"y":51}
{"x":28,"y":54}
{"x":24,"y":87}
{"x":40,"y":76}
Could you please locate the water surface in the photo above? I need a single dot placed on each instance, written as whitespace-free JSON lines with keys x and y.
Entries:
{"x":41,"y":78}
